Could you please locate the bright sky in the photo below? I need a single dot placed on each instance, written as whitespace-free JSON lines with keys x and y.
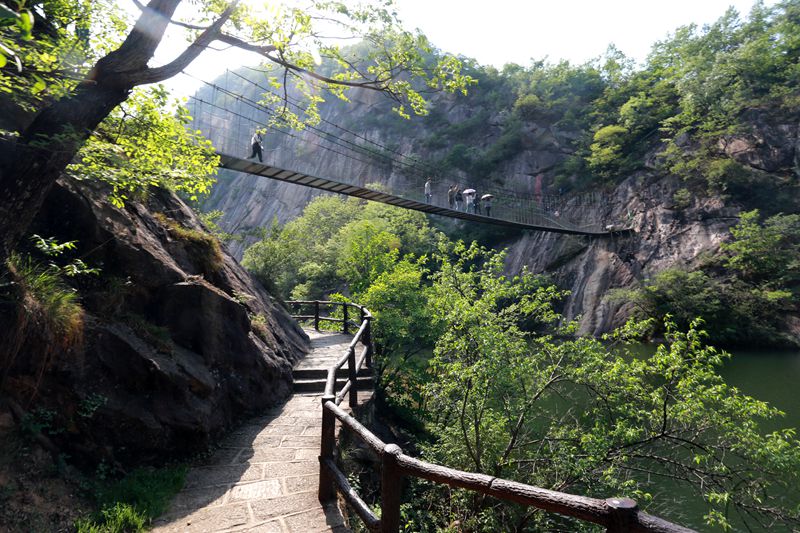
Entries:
{"x":497,"y":32}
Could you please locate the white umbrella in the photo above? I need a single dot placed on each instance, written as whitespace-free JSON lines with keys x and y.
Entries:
{"x":486,"y":196}
{"x":469,"y":191}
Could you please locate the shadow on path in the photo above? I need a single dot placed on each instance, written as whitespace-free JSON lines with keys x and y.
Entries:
{"x":264,"y":476}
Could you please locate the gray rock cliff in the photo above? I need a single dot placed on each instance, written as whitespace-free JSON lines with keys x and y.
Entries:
{"x":665,"y":235}
{"x":178,"y":341}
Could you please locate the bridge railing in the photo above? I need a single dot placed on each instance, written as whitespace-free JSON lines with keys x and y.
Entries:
{"x":617,"y":515}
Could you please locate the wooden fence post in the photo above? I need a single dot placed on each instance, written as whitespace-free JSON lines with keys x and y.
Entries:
{"x":327,"y":490}
{"x":351,"y":364}
{"x":344,"y":313}
{"x":368,"y":341}
{"x":316,"y":315}
{"x":391,"y":489}
{"x":623,"y":513}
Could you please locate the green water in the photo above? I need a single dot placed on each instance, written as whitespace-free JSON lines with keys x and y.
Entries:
{"x":771,"y":376}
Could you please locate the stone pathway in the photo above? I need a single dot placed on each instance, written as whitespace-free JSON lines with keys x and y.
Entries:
{"x":264,"y":477}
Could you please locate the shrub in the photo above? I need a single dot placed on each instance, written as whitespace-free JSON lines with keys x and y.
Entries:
{"x":681,"y":199}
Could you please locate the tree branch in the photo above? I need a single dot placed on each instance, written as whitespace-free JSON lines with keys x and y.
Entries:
{"x":211,"y":34}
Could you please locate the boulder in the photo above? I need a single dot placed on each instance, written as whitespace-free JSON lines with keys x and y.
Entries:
{"x":178,"y":344}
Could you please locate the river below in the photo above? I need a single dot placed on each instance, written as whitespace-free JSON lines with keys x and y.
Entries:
{"x":769,"y":375}
{"x":772,"y":376}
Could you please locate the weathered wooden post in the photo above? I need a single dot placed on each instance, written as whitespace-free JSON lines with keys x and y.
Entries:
{"x":327,"y":490}
{"x":368,"y":340}
{"x":391,"y":489}
{"x":623,"y":513}
{"x":344,"y":313}
{"x":351,"y":364}
{"x":316,"y":315}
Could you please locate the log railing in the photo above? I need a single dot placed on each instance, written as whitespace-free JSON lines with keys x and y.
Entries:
{"x":617,"y":515}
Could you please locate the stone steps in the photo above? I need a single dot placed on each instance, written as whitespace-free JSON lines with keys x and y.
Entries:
{"x":317,"y":384}
{"x":322,"y":373}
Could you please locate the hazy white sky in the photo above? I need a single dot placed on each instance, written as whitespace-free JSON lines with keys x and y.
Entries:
{"x":496,"y":32}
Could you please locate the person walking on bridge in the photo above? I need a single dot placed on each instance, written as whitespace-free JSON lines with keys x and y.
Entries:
{"x":451,"y":196}
{"x":459,"y":199}
{"x":255,"y":142}
{"x":428,"y":191}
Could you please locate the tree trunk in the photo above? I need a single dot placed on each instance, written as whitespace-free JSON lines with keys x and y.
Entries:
{"x":46,"y":147}
{"x":42,"y":153}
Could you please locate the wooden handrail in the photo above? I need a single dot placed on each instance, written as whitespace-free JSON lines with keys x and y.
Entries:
{"x":618,"y":515}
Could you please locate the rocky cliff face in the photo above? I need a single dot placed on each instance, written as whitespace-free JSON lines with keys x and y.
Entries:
{"x":664,"y":234}
{"x":589,"y":267}
{"x":178,"y":341}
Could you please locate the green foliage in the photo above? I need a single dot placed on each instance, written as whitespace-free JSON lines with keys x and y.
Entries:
{"x":119,"y":518}
{"x":575,"y":416}
{"x":46,"y":297}
{"x":90,"y":404}
{"x":365,"y":252}
{"x":767,"y":252}
{"x":210,"y":219}
{"x":682,"y":199}
{"x":356,"y":244}
{"x":147,"y":142}
{"x":46,"y":46}
{"x":402,"y":331}
{"x":606,"y":150}
{"x":743,"y":304}
{"x":130,"y":503}
{"x":52,"y":248}
{"x":401,"y":63}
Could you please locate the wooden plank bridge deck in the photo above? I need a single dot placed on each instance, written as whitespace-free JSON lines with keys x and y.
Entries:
{"x":264,"y":478}
{"x":538,"y":222}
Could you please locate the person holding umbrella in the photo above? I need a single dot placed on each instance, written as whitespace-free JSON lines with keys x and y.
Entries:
{"x":487,"y":203}
{"x":469,"y":197}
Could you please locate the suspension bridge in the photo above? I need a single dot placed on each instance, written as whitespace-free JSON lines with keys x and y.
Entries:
{"x":228,"y":117}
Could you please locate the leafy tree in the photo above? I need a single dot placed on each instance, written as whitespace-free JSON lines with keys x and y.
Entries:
{"x":144,"y":143}
{"x":575,"y":416}
{"x":606,"y":150}
{"x":357,"y":242}
{"x":768,"y":252}
{"x":364,"y":253}
{"x":288,"y":37}
{"x":402,"y":331}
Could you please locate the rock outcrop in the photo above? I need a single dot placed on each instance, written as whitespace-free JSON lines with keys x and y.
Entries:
{"x":589,"y":267}
{"x":178,"y":341}
{"x":666,"y":234}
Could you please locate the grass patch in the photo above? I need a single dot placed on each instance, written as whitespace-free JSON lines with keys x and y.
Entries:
{"x":258,"y":323}
{"x":129,"y":504}
{"x":204,"y":249}
{"x":46,"y":295}
{"x":121,"y":518}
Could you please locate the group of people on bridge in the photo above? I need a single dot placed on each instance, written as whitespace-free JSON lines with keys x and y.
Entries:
{"x":466,"y":199}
